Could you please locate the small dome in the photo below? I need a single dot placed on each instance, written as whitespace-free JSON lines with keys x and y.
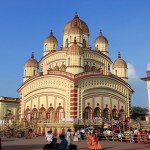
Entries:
{"x":51,"y":39}
{"x":119,"y":63}
{"x":31,"y":62}
{"x":75,"y":30}
{"x":75,"y":49}
{"x":80,"y":23}
{"x":101,"y":39}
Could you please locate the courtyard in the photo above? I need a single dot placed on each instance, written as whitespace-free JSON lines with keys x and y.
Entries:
{"x":38,"y":143}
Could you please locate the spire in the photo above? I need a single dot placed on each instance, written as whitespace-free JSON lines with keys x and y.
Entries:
{"x":51,"y":32}
{"x":101,"y":32}
{"x":76,"y":15}
{"x":119,"y":55}
{"x":32,"y":56}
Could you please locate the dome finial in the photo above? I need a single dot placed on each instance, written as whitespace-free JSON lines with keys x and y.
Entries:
{"x":32,"y":56}
{"x":51,"y":32}
{"x":101,"y":32}
{"x":76,"y":15}
{"x":119,"y":55}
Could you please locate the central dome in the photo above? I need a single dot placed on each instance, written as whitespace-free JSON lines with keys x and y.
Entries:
{"x":75,"y":49}
{"x":80,"y":23}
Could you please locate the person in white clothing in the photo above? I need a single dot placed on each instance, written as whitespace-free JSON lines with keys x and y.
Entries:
{"x":69,"y":137}
{"x":49,"y":136}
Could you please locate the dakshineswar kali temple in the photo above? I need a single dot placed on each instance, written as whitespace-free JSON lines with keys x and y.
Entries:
{"x":74,"y":85}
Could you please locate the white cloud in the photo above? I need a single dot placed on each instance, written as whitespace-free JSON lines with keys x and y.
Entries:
{"x":148,"y":67}
{"x":132,"y":71}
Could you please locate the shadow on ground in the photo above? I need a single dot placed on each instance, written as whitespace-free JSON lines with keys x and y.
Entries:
{"x":23,"y":147}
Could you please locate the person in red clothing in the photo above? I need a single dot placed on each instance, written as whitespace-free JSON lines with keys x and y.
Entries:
{"x":139,"y":136}
{"x":94,"y":144}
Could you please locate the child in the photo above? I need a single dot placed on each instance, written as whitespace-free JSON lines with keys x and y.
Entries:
{"x":49,"y":136}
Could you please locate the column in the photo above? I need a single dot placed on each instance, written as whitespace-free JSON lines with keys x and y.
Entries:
{"x":73,"y":102}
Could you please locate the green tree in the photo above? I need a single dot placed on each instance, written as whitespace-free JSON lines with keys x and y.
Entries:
{"x":137,"y":111}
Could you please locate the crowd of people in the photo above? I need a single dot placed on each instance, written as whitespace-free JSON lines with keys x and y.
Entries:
{"x":65,"y":141}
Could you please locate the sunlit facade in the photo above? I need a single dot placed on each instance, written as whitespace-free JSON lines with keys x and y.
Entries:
{"x":74,"y":81}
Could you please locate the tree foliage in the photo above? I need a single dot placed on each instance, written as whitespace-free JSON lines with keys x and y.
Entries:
{"x":137,"y":111}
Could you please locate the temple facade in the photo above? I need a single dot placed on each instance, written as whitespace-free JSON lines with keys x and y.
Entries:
{"x":75,"y":82}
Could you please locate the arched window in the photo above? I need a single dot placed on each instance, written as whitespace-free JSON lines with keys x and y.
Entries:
{"x":80,"y":62}
{"x":116,"y":72}
{"x":50,"y":113}
{"x":93,"y":68}
{"x":121,"y":114}
{"x":87,"y":113}
{"x":53,"y":46}
{"x":114,"y":114}
{"x":34,"y":73}
{"x":108,"y":67}
{"x":84,"y":43}
{"x":63,"y":68}
{"x":68,"y":61}
{"x":106,"y":113}
{"x":56,"y":68}
{"x":42,"y":113}
{"x":80,"y":39}
{"x":66,"y":43}
{"x":34,"y":113}
{"x":87,"y":68}
{"x":97,"y":112}
{"x":60,"y":113}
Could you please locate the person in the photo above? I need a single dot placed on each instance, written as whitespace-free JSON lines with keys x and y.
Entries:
{"x":72,"y":147}
{"x":47,"y":147}
{"x":139,"y":136}
{"x":89,"y":137}
{"x":135,"y":134}
{"x":54,"y":143}
{"x":120,"y":136}
{"x":63,"y":144}
{"x":148,"y":136}
{"x":145,"y":136}
{"x":95,"y":145}
{"x":82,"y":131}
{"x":69,"y":137}
{"x":49,"y":136}
{"x":75,"y":138}
{"x":131,"y":134}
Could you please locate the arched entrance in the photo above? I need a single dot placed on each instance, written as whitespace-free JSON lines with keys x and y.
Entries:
{"x":106,"y":114}
{"x":87,"y":113}
{"x":121,"y":114}
{"x":114,"y":114}
{"x":97,"y":112}
{"x":50,"y":114}
{"x":60,"y":113}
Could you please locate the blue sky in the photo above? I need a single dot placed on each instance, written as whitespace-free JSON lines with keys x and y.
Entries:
{"x":24,"y":24}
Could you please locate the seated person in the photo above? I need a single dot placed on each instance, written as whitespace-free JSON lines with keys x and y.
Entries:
{"x":47,"y":147}
{"x":63,"y":144}
{"x":54,"y":143}
{"x":72,"y":147}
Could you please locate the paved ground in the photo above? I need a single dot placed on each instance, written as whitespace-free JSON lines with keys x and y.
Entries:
{"x":38,"y":142}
